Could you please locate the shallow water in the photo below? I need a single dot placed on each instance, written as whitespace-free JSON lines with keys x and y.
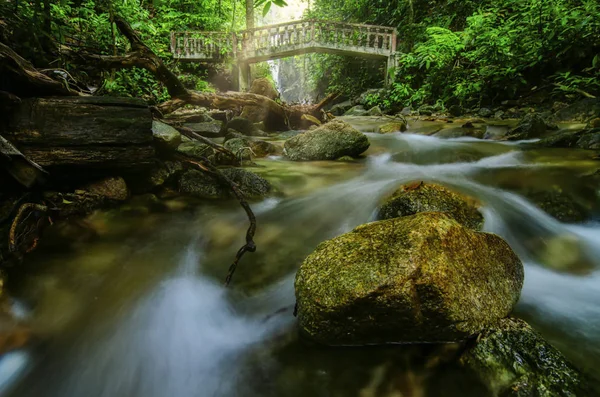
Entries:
{"x":138,"y":309}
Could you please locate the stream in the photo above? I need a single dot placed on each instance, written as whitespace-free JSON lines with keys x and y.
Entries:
{"x":138,"y":308}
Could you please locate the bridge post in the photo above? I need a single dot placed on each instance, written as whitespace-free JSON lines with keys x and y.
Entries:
{"x":390,"y":71}
{"x":243,"y":76}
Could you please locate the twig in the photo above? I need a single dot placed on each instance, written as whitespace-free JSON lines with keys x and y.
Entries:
{"x":250,"y":246}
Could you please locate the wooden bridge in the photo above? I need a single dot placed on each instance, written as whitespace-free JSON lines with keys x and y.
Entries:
{"x":285,"y":40}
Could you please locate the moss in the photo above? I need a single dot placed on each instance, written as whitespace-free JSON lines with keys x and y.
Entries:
{"x":425,"y":197}
{"x":327,"y":142}
{"x":513,"y":360}
{"x":202,"y":185}
{"x":421,"y":278}
{"x":393,"y":127}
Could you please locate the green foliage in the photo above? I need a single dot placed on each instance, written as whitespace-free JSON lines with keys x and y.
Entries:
{"x":86,"y":24}
{"x":267,"y":4}
{"x":474,"y":53}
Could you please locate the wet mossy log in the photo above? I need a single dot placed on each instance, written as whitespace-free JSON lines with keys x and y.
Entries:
{"x":83,"y":134}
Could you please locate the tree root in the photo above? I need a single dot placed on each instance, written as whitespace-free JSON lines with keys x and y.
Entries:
{"x":250,"y":246}
{"x":19,"y":231}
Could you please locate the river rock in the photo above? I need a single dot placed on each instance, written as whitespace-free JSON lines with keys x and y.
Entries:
{"x":199,"y":151}
{"x":582,"y":110}
{"x":264,"y":87}
{"x":113,"y":188}
{"x":250,"y":147}
{"x":512,"y":360}
{"x":426,"y":197}
{"x":327,"y":142}
{"x":420,"y":278}
{"x":485,"y":113}
{"x":158,"y":176}
{"x":533,"y":125}
{"x":357,"y":110}
{"x":340,"y":108}
{"x":426,"y":110}
{"x":207,"y":129}
{"x":375,"y":111}
{"x":583,"y":139}
{"x":396,"y":126}
{"x":202,"y":185}
{"x":455,"y":110}
{"x":245,"y":127}
{"x":166,"y":137}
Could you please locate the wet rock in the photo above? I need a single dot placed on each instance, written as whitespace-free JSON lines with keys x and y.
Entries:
{"x":166,"y":137}
{"x":199,"y":151}
{"x":158,"y":176}
{"x":560,"y":204}
{"x":459,"y":132}
{"x":418,"y":197}
{"x":245,"y":127}
{"x":375,"y":111}
{"x":207,"y":129}
{"x":485,"y":113}
{"x":533,"y":125}
{"x":420,"y":278}
{"x":514,"y":361}
{"x":204,"y":186}
{"x":456,"y":110}
{"x":248,"y":148}
{"x":340,"y":108}
{"x":495,"y":132}
{"x":232,"y":134}
{"x":327,"y":142}
{"x":357,"y":110}
{"x":396,"y":126}
{"x":264,"y":87}
{"x":583,"y":110}
{"x":113,"y":188}
{"x":583,"y":139}
{"x":499,"y":114}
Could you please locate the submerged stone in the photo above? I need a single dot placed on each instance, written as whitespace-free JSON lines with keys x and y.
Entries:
{"x":420,"y":278}
{"x":202,"y":185}
{"x":514,"y":361}
{"x":327,"y":142}
{"x":426,"y":197}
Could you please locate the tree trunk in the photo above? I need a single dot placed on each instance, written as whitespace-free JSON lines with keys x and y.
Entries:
{"x":78,"y":136}
{"x":249,"y":14}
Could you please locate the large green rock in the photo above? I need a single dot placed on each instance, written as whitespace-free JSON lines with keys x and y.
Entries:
{"x":514,"y":361}
{"x":421,"y":278}
{"x":327,"y":142}
{"x":202,"y":185}
{"x":247,"y":148}
{"x":427,"y":197}
{"x":395,"y":126}
{"x":533,"y":125}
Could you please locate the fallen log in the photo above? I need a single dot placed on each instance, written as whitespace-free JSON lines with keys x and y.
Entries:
{"x":79,"y":136}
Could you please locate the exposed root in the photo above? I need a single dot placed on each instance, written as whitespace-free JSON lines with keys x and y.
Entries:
{"x":21,"y":231}
{"x":250,"y":246}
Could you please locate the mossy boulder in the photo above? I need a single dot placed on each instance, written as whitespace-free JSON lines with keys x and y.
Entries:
{"x":202,"y":185}
{"x":166,"y":137}
{"x":245,"y":126}
{"x":327,"y":142}
{"x":583,"y":139}
{"x":247,"y":148}
{"x":420,"y":278}
{"x":514,"y":361}
{"x":357,"y":110}
{"x":427,"y":197}
{"x":375,"y":111}
{"x":396,"y":126}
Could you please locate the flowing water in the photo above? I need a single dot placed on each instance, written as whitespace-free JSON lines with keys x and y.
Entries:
{"x":137,"y":308}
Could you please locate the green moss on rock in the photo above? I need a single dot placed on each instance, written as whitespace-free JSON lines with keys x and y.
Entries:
{"x":202,"y":185}
{"x":426,"y":197}
{"x":327,"y":142}
{"x":513,"y":360}
{"x":393,"y":127}
{"x":420,"y":278}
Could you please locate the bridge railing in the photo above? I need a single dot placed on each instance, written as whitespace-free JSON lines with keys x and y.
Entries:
{"x":289,"y":36}
{"x":202,"y":45}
